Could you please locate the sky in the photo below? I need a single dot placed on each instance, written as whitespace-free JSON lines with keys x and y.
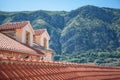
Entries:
{"x":54,"y":5}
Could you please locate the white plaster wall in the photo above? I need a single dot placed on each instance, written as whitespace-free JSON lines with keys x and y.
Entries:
{"x":27,"y":29}
{"x":21,"y":34}
{"x":44,"y":35}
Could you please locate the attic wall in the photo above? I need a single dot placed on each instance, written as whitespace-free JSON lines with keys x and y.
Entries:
{"x":27,"y":29}
{"x":44,"y":36}
{"x":21,"y":35}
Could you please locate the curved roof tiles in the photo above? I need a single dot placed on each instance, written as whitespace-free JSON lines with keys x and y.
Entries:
{"x":10,"y":44}
{"x":13,"y":25}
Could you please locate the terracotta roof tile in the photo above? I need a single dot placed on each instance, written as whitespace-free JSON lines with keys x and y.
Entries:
{"x":9,"y":44}
{"x":43,"y":70}
{"x":13,"y":25}
{"x":39,"y":32}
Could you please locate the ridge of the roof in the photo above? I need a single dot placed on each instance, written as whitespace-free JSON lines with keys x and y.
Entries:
{"x":46,"y":70}
{"x":39,"y":31}
{"x":52,"y":63}
{"x":13,"y":25}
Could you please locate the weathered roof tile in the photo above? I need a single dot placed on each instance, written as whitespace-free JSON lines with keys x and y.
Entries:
{"x":13,"y":25}
{"x":39,"y":32}
{"x":7,"y":43}
{"x":44,"y":70}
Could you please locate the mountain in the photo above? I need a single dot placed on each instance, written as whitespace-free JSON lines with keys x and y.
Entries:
{"x":91,"y":28}
{"x":87,"y":34}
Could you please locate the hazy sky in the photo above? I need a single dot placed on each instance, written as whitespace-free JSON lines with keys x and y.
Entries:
{"x":54,"y":5}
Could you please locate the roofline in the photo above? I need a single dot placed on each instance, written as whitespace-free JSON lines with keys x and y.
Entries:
{"x":53,"y":63}
{"x":38,"y":30}
{"x":28,"y":22}
{"x":37,"y":51}
{"x":47,"y":33}
{"x":15,"y":52}
{"x":30,"y":27}
{"x":43,"y":32}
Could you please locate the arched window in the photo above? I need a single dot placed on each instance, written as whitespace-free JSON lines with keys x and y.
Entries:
{"x":45,"y":43}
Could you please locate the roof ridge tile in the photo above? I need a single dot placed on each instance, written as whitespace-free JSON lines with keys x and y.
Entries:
{"x":39,"y":31}
{"x":13,"y":25}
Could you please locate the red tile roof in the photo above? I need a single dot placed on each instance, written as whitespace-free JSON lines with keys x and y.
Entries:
{"x":9,"y":44}
{"x":13,"y":25}
{"x":39,"y":32}
{"x":41,"y":70}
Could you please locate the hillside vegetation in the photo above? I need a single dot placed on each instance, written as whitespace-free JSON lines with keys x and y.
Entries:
{"x":88,"y":34}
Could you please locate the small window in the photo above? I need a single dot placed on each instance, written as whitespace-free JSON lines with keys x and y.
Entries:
{"x":45,"y":43}
{"x":27,"y":38}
